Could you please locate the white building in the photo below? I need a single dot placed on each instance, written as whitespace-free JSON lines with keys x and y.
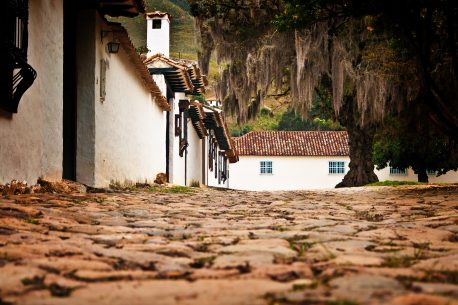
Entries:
{"x":295,"y":160}
{"x":189,"y":126}
{"x":125,"y":139}
{"x":92,"y":114}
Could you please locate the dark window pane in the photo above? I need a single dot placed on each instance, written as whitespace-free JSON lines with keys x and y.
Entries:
{"x":157,"y":23}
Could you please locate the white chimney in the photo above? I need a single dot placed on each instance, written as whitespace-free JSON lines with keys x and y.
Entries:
{"x":158,"y":33}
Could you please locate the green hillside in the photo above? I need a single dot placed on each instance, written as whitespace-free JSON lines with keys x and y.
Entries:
{"x":182,"y":27}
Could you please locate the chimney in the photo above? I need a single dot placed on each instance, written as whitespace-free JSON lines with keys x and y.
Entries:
{"x":158,"y":33}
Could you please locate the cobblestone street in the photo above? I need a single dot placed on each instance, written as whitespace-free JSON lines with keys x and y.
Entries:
{"x":377,"y":245}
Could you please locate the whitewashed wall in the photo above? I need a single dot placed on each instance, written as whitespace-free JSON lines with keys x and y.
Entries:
{"x":210,"y":178}
{"x":194,"y":172}
{"x":188,"y":167}
{"x":295,"y":173}
{"x":289,"y":173}
{"x":178,"y":163}
{"x":212,"y":181}
{"x":129,"y":127}
{"x":384,"y":174}
{"x":31,"y":140}
{"x":158,"y":40}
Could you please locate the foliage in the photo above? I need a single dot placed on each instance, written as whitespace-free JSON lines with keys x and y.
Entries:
{"x":172,"y":189}
{"x":388,"y":53}
{"x":379,"y":55}
{"x":419,"y":146}
{"x":182,"y":32}
{"x":422,"y":32}
{"x":320,"y":117}
{"x":200,"y":98}
{"x":265,"y":120}
{"x":142,"y":49}
{"x":395,"y":183}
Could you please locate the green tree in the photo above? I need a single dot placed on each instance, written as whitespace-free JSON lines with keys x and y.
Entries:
{"x":379,"y":55}
{"x":419,"y":146}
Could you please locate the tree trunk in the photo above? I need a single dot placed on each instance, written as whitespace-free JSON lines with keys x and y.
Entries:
{"x":422,"y":175}
{"x":360,"y":141}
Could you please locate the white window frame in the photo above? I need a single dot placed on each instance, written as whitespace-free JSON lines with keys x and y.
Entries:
{"x":266,"y":167}
{"x":431,"y":172}
{"x":336,"y":167}
{"x":394,"y":171}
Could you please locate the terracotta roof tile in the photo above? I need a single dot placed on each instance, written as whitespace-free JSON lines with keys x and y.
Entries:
{"x":293,"y":143}
{"x":180,"y":68}
{"x":157,"y":14}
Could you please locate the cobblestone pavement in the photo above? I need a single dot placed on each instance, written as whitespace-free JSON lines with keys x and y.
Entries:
{"x":351,"y":246}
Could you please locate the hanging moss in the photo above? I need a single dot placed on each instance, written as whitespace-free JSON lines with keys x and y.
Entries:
{"x":258,"y":58}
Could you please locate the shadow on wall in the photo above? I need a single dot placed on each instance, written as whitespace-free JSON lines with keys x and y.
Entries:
{"x":5,"y":115}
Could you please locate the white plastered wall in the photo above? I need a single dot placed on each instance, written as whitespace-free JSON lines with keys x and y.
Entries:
{"x":295,"y":173}
{"x":158,"y":40}
{"x":179,"y":163}
{"x":130,"y":127}
{"x":289,"y":173}
{"x":187,"y":168}
{"x":384,"y":174}
{"x":211,"y":179}
{"x":194,"y":172}
{"x":31,"y":140}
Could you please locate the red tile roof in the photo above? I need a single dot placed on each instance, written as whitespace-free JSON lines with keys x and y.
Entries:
{"x":157,"y":14}
{"x":293,"y":143}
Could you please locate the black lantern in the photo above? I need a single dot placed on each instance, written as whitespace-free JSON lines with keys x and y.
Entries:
{"x":113,"y":47}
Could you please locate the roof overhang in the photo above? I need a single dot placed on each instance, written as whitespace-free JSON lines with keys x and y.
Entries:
{"x":175,"y":74}
{"x":116,"y":8}
{"x":197,"y":114}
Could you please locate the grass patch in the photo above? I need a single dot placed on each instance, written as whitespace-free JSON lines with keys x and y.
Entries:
{"x":32,"y":221}
{"x":298,"y":287}
{"x":173,"y":190}
{"x":203,"y":262}
{"x":399,"y":261}
{"x":407,"y":261}
{"x":396,"y":183}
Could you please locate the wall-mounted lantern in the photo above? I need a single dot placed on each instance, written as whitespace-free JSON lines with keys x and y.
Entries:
{"x":113,"y":45}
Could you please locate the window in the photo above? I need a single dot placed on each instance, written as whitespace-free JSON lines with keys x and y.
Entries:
{"x":397,"y":171}
{"x":181,"y":125}
{"x":266,"y":167}
{"x":16,"y":75}
{"x":103,"y":79}
{"x":177,"y":125}
{"x":336,"y":167}
{"x":157,"y":23}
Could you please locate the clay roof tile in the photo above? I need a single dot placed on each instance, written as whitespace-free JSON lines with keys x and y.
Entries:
{"x":293,"y":143}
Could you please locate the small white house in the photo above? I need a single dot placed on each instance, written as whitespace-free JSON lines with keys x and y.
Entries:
{"x":295,"y":160}
{"x":290,"y":160}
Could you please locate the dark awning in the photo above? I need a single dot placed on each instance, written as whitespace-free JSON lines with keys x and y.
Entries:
{"x":116,"y":8}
